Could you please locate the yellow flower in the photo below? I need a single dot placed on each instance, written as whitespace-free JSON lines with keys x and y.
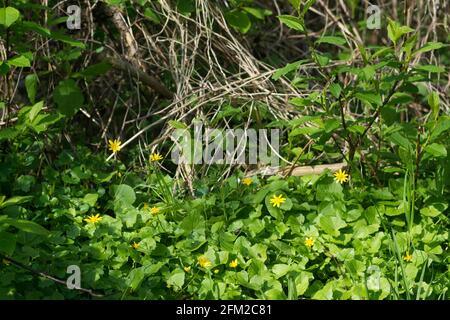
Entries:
{"x":204,"y":262}
{"x":187,"y":269}
{"x":155,"y":210}
{"x":247,"y":181}
{"x":233,"y":263}
{"x":135,"y":245}
{"x":216,"y":271}
{"x":114,"y":146}
{"x":408,"y":257}
{"x":341,"y":176}
{"x":93,"y":219}
{"x":277,"y":201}
{"x":309,"y":242}
{"x":155,"y":157}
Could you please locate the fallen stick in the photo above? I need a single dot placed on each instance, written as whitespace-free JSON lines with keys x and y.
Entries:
{"x":149,"y":80}
{"x":297,"y":171}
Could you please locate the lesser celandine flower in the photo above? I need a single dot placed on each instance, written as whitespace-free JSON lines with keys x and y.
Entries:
{"x":233,"y":263}
{"x":93,"y":219}
{"x":309,"y":242}
{"x":247,"y":181}
{"x":155,"y":157}
{"x":135,"y":245}
{"x":204,"y":262}
{"x":277,"y":201}
{"x":155,"y":210}
{"x":187,"y":269}
{"x":341,"y":176}
{"x":408,"y":257}
{"x":114,"y":145}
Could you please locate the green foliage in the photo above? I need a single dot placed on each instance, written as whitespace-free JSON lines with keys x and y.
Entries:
{"x":138,"y":232}
{"x":351,"y":229}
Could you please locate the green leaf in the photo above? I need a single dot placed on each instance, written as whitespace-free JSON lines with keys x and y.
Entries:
{"x":338,"y":41}
{"x":301,"y":102}
{"x":193,"y":223}
{"x":8,"y":133}
{"x":43,"y":121}
{"x":8,"y":16}
{"x":409,"y":45}
{"x":135,"y":278}
{"x":152,"y":16}
{"x":395,"y":30}
{"x":443,"y":125}
{"x":32,"y":26}
{"x":35,"y":110}
{"x":295,"y":4}
{"x":331,"y":225}
{"x":306,"y":6}
{"x":433,"y":102}
{"x":186,"y":7}
{"x":94,"y":70}
{"x":238,"y":20}
{"x":411,"y":271}
{"x":368,"y":72}
{"x":176,"y":279}
{"x":258,"y":13}
{"x":90,"y":199}
{"x":437,"y":150}
{"x":400,"y":140}
{"x":292,"y":22}
{"x":4,"y":68}
{"x":335,"y":90}
{"x":147,"y":245}
{"x":331,"y":124}
{"x":68,"y":97}
{"x":434,"y":249}
{"x":31,"y":82}
{"x":357,"y":129}
{"x":15,"y":200}
{"x":275,"y":294}
{"x":26,"y":226}
{"x":280,"y":270}
{"x":66,"y":39}
{"x":19,"y":61}
{"x":177,"y":124}
{"x":287,"y":69}
{"x":370,"y":98}
{"x":124,"y":193}
{"x":322,"y":59}
{"x":128,"y":216}
{"x":430,"y":46}
{"x":7,"y":243}
{"x":430,"y":68}
{"x":302,"y":282}
{"x":329,"y":191}
{"x":325,"y":293}
{"x":430,"y":211}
